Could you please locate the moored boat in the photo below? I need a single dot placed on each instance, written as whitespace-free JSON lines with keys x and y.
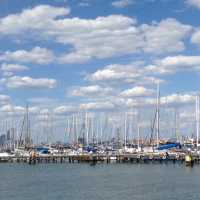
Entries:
{"x":189,"y":160}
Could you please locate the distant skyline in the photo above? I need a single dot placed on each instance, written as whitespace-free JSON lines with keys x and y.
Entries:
{"x":63,"y":56}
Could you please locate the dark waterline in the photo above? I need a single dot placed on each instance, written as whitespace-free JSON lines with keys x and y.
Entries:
{"x":100,"y":182}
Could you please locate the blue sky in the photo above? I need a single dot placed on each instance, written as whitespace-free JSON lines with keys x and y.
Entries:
{"x":98,"y":55}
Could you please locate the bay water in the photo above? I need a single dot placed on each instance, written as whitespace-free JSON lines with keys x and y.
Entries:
{"x":100,"y":182}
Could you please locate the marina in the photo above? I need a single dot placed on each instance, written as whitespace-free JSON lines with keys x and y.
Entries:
{"x":99,"y":100}
{"x":94,"y":159}
{"x":89,"y":140}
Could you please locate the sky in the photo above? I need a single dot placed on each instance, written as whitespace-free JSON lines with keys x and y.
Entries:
{"x":63,"y":56}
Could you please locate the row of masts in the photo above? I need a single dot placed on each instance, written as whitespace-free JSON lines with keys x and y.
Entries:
{"x":85,"y":128}
{"x":17,"y":135}
{"x":157,"y":121}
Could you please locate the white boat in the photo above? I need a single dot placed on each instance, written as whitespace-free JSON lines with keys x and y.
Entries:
{"x":21,"y":152}
{"x":5,"y":155}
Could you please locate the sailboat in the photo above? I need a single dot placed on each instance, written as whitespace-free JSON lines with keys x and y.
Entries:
{"x":24,"y":141}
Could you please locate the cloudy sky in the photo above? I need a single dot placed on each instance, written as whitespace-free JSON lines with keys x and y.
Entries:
{"x":98,"y":55}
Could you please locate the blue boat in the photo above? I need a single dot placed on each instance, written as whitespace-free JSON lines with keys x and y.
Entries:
{"x":43,"y":150}
{"x":169,"y":146}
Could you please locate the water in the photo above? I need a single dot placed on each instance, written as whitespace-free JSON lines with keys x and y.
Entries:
{"x":101,"y":182}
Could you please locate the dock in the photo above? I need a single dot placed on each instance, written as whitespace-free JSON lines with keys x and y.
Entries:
{"x":100,"y":158}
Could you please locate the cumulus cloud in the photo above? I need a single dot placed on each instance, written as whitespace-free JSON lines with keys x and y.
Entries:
{"x":130,"y":73}
{"x":18,"y":110}
{"x":108,"y":33}
{"x":145,"y":74}
{"x":31,"y":19}
{"x":4,"y":99}
{"x":92,"y":90}
{"x":28,"y":82}
{"x":97,"y":106}
{"x":168,"y":100}
{"x":181,"y":61}
{"x":178,"y":99}
{"x":194,"y":3}
{"x":122,"y":3}
{"x":10,"y":109}
{"x":9,"y":69}
{"x":115,"y":72}
{"x":166,"y":36}
{"x":137,"y":91}
{"x":60,"y":110}
{"x":36,"y":55}
{"x":42,"y":100}
{"x":13,"y":67}
{"x":173,"y":64}
{"x":114,"y":35}
{"x":195,"y":39}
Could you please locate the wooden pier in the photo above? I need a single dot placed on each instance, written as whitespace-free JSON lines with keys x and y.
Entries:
{"x":95,"y":159}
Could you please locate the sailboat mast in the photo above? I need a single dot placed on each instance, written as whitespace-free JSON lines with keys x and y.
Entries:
{"x":86,"y":128}
{"x":125,"y":130}
{"x":28,"y":134}
{"x":138,"y":137}
{"x":158,"y":114}
{"x":101,"y":130}
{"x":197,"y":120}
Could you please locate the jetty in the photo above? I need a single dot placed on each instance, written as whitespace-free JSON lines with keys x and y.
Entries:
{"x":101,"y":158}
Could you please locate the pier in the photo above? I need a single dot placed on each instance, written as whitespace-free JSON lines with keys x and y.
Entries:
{"x":100,"y":158}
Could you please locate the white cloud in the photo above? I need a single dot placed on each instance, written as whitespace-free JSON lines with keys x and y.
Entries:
{"x":173,"y":64}
{"x":31,"y":19}
{"x":169,"y":100}
{"x":97,"y":106}
{"x":43,"y":100}
{"x":131,"y":73}
{"x":194,"y":3}
{"x":137,"y":91}
{"x":92,"y":90}
{"x":18,"y":110}
{"x":178,"y":99}
{"x":115,"y":72}
{"x":122,"y":3}
{"x":181,"y":61}
{"x":114,"y":35}
{"x":158,"y":38}
{"x":108,"y":33}
{"x":195,"y":39}
{"x":10,"y":109}
{"x":4,"y":99}
{"x":36,"y":55}
{"x":165,"y":37}
{"x":148,"y":80}
{"x":13,"y":67}
{"x":74,"y":58}
{"x":60,"y":110}
{"x":18,"y":82}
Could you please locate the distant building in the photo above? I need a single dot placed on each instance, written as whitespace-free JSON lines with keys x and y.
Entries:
{"x":2,"y":139}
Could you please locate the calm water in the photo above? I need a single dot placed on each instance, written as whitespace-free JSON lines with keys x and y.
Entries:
{"x":112,"y":182}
